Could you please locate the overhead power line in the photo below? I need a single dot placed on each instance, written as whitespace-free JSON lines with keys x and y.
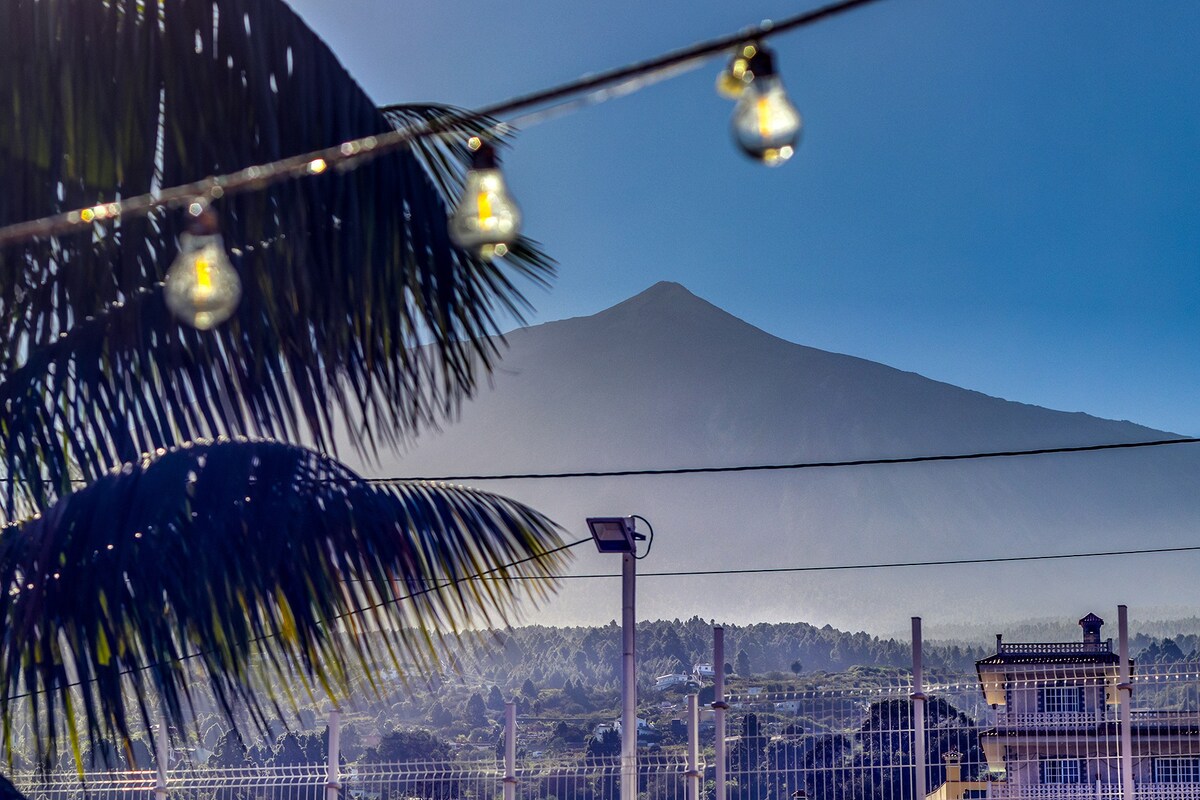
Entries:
{"x":860,"y":462}
{"x":357,"y":152}
{"x":946,"y":562}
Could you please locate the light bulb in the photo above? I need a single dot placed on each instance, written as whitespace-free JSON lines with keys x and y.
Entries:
{"x":765,"y":123}
{"x":487,"y":219}
{"x":202,"y":287}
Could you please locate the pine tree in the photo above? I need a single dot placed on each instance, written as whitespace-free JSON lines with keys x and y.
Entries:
{"x":476,"y":711}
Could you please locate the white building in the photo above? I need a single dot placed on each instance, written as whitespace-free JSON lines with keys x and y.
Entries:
{"x":671,"y":680}
{"x":642,"y":725}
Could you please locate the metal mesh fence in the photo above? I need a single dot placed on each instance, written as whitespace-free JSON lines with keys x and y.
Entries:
{"x":1026,"y":726}
{"x":856,"y":742}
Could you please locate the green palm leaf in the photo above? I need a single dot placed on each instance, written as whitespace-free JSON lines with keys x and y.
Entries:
{"x":252,"y":565}
{"x":342,"y":272}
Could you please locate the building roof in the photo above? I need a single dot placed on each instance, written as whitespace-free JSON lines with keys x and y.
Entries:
{"x":1049,"y":658}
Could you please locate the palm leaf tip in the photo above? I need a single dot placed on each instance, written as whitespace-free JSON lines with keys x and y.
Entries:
{"x":8,"y":791}
{"x":257,"y":552}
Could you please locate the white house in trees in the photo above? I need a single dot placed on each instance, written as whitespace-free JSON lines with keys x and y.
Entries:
{"x":672,"y":680}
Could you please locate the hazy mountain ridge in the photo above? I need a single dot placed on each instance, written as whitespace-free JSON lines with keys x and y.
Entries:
{"x":666,"y":379}
{"x":845,"y":407}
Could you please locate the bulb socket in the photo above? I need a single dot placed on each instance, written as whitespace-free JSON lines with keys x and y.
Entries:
{"x":201,"y":219}
{"x":762,"y":63}
{"x":485,"y":157}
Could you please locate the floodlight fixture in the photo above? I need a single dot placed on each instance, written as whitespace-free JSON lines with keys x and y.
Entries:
{"x":614,"y":534}
{"x":617,"y":535}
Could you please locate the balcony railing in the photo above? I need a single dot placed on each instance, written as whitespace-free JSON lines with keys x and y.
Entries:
{"x":1094,"y":791}
{"x":1055,"y":648}
{"x":1146,"y":715}
{"x":1054,"y":719}
{"x":1042,"y":791}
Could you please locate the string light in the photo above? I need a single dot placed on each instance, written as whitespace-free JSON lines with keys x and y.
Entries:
{"x":202,"y":288}
{"x":355,"y":153}
{"x":765,"y":123}
{"x":487,"y":220}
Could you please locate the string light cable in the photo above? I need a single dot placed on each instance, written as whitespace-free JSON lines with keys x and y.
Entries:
{"x":355,"y":153}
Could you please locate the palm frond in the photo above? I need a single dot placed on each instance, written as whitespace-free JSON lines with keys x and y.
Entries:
{"x":8,"y":791}
{"x":253,"y":565}
{"x":342,"y":273}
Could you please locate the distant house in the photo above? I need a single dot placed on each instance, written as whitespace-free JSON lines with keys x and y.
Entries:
{"x":642,"y":725}
{"x":704,"y":670}
{"x":1057,"y":731}
{"x":788,"y":707}
{"x":672,"y":680}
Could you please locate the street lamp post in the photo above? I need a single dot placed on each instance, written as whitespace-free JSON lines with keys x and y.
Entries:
{"x":617,"y":535}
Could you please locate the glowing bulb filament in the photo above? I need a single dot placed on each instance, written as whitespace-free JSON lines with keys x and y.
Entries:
{"x":204,"y":281}
{"x":483,"y":208}
{"x":764,"y":117}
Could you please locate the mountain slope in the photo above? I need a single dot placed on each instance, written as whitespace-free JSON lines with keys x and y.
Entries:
{"x":665,"y":379}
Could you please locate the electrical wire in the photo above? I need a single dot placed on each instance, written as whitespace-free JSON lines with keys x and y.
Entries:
{"x":861,"y":462}
{"x":850,"y":567}
{"x":357,"y":152}
{"x":879,"y":565}
{"x":649,"y":537}
{"x":482,"y":575}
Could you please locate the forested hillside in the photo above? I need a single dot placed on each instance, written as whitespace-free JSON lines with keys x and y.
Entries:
{"x":565,"y":682}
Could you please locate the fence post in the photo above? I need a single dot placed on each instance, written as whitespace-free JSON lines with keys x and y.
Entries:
{"x":918,"y":711}
{"x":719,"y":706}
{"x":510,"y":750}
{"x":693,"y":762}
{"x":1125,"y":693}
{"x":161,"y":756}
{"x":333,"y":776}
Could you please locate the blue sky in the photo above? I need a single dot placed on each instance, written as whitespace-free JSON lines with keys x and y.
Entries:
{"x":1000,"y":195}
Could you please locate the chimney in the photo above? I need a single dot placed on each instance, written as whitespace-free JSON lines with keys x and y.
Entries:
{"x":999,"y":636}
{"x":953,"y":770}
{"x":1091,"y":625}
